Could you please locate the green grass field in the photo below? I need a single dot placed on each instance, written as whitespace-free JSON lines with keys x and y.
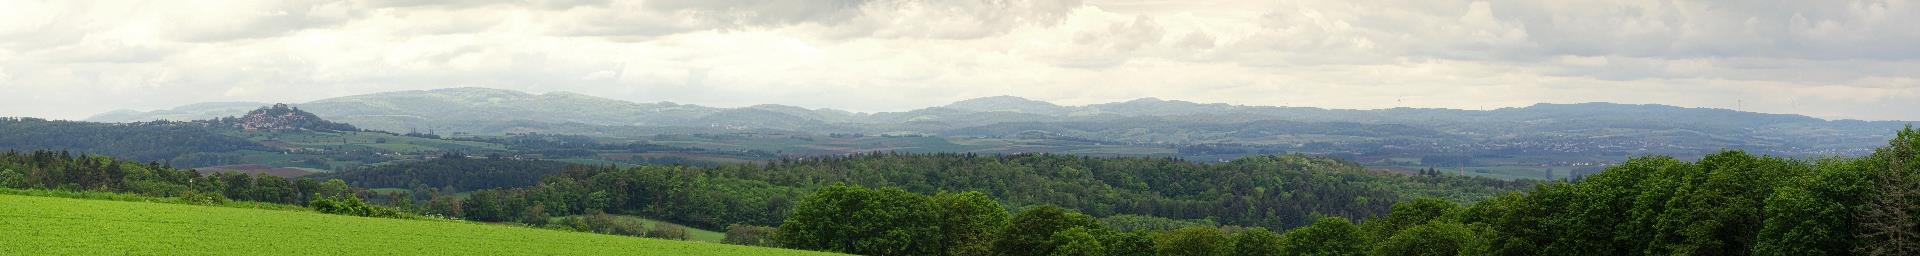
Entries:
{"x":693,"y":234}
{"x":63,"y":226}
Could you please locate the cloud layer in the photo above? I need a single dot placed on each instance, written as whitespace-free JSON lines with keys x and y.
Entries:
{"x":1834,"y":59}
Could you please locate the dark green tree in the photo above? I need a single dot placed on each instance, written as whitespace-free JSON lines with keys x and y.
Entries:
{"x":1078,"y":241}
{"x":1408,"y":214}
{"x":334,"y":188}
{"x":1514,"y":221}
{"x":274,"y":189}
{"x":445,"y":206}
{"x":239,"y":186}
{"x":1193,"y":241}
{"x":889,"y":222}
{"x":1255,"y":242}
{"x":969,"y":222}
{"x":1433,"y":239}
{"x":1031,"y":231}
{"x":1328,"y":236}
{"x":1890,"y":221}
{"x":1136,"y":243}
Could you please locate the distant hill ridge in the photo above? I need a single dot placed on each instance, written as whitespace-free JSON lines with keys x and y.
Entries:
{"x":476,"y":103}
{"x":574,"y":107}
{"x":1623,"y":127}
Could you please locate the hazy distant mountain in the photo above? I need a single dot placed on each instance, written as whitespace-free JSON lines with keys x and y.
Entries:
{"x":483,"y":110}
{"x":196,"y":111}
{"x":1602,"y":127}
{"x":1158,"y":107}
{"x":1010,"y":104}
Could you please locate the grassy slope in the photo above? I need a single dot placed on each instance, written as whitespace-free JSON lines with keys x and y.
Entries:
{"x":692,"y":233}
{"x":63,"y":226}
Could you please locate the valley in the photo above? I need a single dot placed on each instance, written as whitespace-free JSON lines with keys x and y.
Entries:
{"x":960,"y":128}
{"x":1145,"y":184}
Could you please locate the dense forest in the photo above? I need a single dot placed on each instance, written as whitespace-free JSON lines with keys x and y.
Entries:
{"x":563,"y":146}
{"x":1729,"y":203}
{"x":61,"y":170}
{"x":451,"y":173}
{"x":146,"y":141}
{"x":1276,"y":192}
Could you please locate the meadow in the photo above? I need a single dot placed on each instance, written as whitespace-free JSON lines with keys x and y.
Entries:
{"x":66,"y":226}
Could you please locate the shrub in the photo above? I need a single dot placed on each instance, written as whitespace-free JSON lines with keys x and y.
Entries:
{"x":352,"y":206}
{"x":605,"y":224}
{"x":11,"y":178}
{"x":751,"y":235}
{"x":665,"y":230}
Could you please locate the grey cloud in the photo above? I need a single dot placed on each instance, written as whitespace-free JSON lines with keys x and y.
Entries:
{"x":1851,"y":57}
{"x":1375,"y":32}
{"x":973,"y":19}
{"x":1689,"y":29}
{"x":1141,"y":32}
{"x":64,"y":23}
{"x":840,"y":19}
{"x":1808,"y":43}
{"x":1113,"y":45}
{"x":460,"y":4}
{"x":564,"y":4}
{"x":1534,"y":30}
{"x":1197,"y":41}
{"x":765,"y":12}
{"x":260,"y":20}
{"x":105,"y":52}
{"x":427,"y":3}
{"x":614,"y":23}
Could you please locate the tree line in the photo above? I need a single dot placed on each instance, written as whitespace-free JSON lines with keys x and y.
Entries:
{"x":1727,"y":203}
{"x":62,"y":170}
{"x":451,"y":173}
{"x":891,"y":221}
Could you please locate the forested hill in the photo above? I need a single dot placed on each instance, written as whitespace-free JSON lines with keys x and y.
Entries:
{"x":1265,"y":191}
{"x":184,"y":143}
{"x":147,"y":141}
{"x":281,"y":117}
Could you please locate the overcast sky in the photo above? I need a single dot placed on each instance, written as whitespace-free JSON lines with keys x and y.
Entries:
{"x":1832,"y":59}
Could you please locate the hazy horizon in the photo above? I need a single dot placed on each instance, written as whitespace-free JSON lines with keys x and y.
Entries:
{"x":1833,"y":60}
{"x":929,"y":105}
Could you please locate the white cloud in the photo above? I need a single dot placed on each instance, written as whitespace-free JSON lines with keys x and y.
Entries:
{"x":1849,"y":58}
